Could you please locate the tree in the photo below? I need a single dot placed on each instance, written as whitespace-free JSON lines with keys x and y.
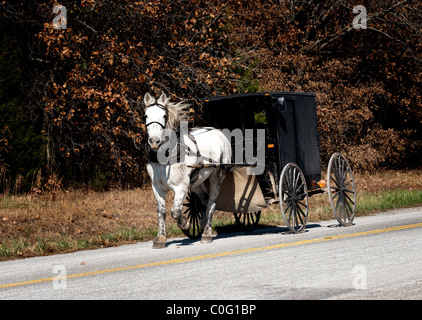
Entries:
{"x":367,"y":81}
{"x":102,"y":68}
{"x":82,"y":86}
{"x":22,"y":146}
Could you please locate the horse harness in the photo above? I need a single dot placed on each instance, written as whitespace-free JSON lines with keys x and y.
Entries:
{"x":152,"y":155}
{"x":165,"y":117}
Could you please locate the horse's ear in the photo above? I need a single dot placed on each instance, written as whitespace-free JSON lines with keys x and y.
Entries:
{"x":162,"y":99}
{"x":148,"y":99}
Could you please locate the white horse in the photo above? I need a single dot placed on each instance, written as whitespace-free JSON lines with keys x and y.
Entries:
{"x":206,"y":146}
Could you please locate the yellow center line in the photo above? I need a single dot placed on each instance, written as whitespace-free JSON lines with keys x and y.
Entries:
{"x":213,"y":255}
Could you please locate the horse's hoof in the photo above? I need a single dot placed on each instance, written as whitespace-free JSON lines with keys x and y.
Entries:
{"x":159,"y":243}
{"x":206,"y":239}
{"x":183,"y":224}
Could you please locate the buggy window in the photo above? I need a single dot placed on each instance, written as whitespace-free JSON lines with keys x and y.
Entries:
{"x":260,"y":119}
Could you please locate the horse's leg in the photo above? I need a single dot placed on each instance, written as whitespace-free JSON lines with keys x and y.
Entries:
{"x":203,"y":195}
{"x":160,"y":197}
{"x":176,"y":211}
{"x":216,"y":179}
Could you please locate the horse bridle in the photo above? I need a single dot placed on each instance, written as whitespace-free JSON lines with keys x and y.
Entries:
{"x":165,"y":117}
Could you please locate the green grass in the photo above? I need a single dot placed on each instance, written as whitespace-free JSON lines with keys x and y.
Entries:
{"x":13,"y":202}
{"x":388,"y":200}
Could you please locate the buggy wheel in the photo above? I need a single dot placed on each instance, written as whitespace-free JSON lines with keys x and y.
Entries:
{"x":341,"y":189}
{"x":247,"y":221}
{"x":193,"y":209}
{"x":294,"y":198}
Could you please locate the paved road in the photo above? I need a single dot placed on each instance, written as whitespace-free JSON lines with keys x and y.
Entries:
{"x":380,"y":257}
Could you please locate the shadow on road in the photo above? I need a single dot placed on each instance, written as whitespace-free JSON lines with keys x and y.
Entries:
{"x":233,"y":231}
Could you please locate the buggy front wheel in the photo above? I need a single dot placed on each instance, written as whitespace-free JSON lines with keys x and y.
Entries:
{"x":193,"y":209}
{"x":293,"y":193}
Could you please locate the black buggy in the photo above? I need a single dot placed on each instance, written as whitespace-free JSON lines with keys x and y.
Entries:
{"x":291,"y":171}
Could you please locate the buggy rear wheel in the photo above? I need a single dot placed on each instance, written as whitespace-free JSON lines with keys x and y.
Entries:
{"x":248,"y":221}
{"x":341,"y":189}
{"x":193,"y":209}
{"x":293,"y":193}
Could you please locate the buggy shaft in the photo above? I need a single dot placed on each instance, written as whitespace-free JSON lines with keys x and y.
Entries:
{"x":221,"y":165}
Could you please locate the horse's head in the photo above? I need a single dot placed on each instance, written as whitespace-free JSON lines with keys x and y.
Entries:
{"x":159,"y":115}
{"x":156,"y":115}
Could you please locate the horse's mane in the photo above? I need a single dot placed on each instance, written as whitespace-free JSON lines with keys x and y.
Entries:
{"x":176,"y":112}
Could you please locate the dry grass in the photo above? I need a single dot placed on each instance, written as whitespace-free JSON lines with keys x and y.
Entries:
{"x":67,"y":221}
{"x":32,"y":225}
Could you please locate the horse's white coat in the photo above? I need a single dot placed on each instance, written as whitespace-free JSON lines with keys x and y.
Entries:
{"x":213,"y":146}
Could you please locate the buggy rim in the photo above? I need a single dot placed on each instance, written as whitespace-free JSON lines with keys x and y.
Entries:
{"x":294,"y":199}
{"x":341,"y":189}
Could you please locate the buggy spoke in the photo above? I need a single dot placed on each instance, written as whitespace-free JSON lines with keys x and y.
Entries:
{"x":343,"y":172}
{"x":294,"y":179}
{"x":301,"y":214}
{"x":349,"y":199}
{"x":291,"y":211}
{"x":302,"y":204}
{"x":348,"y":210}
{"x":248,"y":221}
{"x":193,"y":223}
{"x":300,"y":187}
{"x":335,"y":195}
{"x":348,"y":182}
{"x":337,"y":203}
{"x":252,"y":218}
{"x":291,"y":179}
{"x":341,"y":209}
{"x":289,"y":207}
{"x":335,"y":181}
{"x":294,"y":216}
{"x":288,"y":193}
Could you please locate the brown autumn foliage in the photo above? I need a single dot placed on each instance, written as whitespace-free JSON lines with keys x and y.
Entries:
{"x":367,"y":81}
{"x":107,"y":65}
